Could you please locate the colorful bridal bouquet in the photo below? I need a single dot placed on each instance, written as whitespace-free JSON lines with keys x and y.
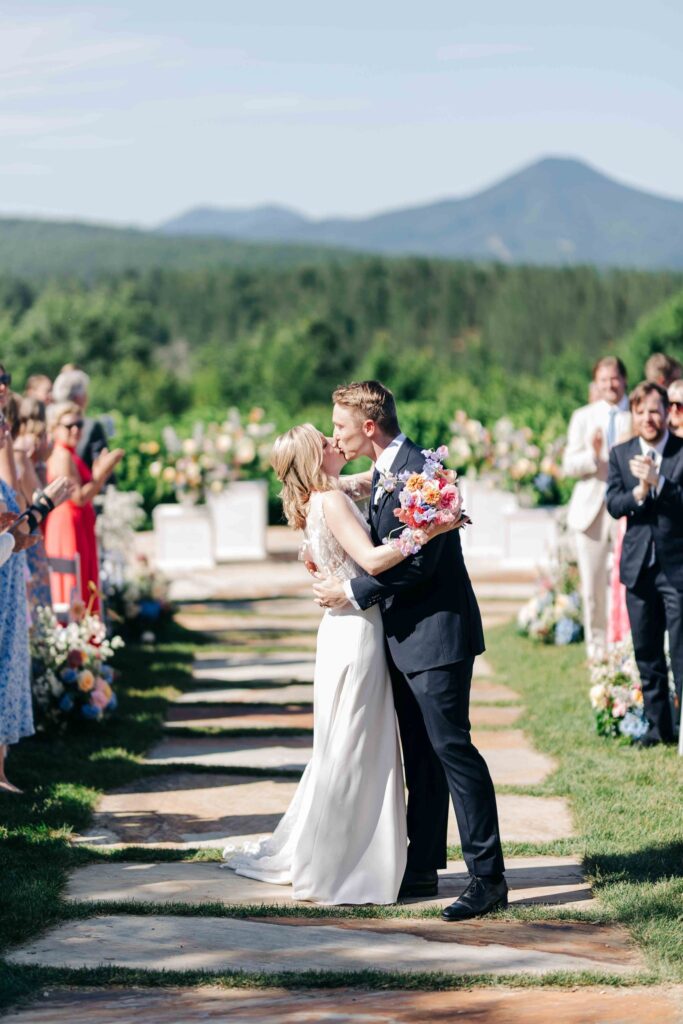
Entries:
{"x":616,"y":695}
{"x":427,"y":498}
{"x":71,"y":680}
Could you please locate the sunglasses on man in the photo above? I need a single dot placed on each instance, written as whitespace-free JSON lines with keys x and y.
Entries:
{"x":76,"y":425}
{"x":676,"y":406}
{"x":6,"y":378}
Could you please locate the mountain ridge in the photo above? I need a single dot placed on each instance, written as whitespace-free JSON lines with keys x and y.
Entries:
{"x":556,"y":211}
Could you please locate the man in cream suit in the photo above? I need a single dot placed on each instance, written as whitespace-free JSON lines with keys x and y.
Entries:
{"x":594,"y":429}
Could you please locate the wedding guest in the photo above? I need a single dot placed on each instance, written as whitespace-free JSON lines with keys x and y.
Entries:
{"x":71,"y":529}
{"x":16,"y":714}
{"x":593,"y":430}
{"x":675,"y":395}
{"x":39,"y":386}
{"x":646,"y":485}
{"x":72,"y":385}
{"x":26,"y":418}
{"x":662,"y":369}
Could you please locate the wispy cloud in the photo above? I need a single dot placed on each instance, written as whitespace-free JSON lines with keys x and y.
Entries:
{"x":480,"y":51}
{"x":22,"y":170}
{"x":39,"y":124}
{"x":68,"y":143}
{"x":294,"y":103}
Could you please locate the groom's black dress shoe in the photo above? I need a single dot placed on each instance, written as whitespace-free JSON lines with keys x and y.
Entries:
{"x":481,"y":896}
{"x":418,"y":884}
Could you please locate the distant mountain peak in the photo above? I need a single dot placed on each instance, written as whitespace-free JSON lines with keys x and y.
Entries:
{"x":556,"y":210}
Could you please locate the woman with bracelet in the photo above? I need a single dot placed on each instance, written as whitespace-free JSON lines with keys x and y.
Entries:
{"x":26,"y":418}
{"x":16,"y":713}
{"x":71,"y":529}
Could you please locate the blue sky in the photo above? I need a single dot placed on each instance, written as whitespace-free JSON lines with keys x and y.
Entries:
{"x":132,"y":112}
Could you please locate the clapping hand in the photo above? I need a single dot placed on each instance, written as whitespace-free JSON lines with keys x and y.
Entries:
{"x":597,"y":443}
{"x":645,"y":471}
{"x":106,"y":462}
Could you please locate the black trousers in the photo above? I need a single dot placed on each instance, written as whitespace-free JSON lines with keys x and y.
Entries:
{"x":440,"y":759}
{"x":655,"y":607}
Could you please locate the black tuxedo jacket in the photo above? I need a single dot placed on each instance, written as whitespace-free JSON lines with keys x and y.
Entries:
{"x":658,"y":519}
{"x":430,"y":614}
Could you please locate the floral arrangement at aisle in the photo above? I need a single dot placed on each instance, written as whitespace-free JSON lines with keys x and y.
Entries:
{"x":71,"y":680}
{"x":554,"y":614}
{"x":511,"y":457}
{"x":136,"y":595}
{"x":616,"y":695}
{"x":214,"y":455}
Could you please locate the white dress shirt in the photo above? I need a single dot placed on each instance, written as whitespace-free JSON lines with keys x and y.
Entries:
{"x":385,"y":461}
{"x":383,"y":465}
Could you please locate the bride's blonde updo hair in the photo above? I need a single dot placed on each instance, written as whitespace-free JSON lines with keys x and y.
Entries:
{"x":297,"y":459}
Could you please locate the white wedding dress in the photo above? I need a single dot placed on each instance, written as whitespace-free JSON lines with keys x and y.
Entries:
{"x":343,"y":838}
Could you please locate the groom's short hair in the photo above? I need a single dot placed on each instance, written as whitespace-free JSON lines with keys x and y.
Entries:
{"x":373,"y":401}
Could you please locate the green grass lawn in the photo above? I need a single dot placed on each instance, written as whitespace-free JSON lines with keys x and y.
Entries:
{"x":627,"y":806}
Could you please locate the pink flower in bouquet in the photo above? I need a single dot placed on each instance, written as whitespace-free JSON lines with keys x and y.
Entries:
{"x":618,"y":709}
{"x":98,"y":700}
{"x":450,"y":498}
{"x":75,"y":659}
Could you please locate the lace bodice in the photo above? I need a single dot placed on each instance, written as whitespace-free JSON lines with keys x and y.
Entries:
{"x":323,"y":548}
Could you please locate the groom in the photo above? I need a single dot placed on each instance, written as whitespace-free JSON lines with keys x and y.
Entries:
{"x":433,"y":633}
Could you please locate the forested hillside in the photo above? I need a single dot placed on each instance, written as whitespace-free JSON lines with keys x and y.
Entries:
{"x":491,"y":338}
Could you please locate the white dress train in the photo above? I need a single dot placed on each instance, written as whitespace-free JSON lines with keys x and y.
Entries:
{"x":343,"y":838}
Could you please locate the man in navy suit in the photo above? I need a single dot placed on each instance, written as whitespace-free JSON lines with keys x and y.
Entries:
{"x":433,"y":634}
{"x":645,"y":484}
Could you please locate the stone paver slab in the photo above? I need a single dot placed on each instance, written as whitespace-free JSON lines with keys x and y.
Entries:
{"x":547,"y":880}
{"x":487,"y":716}
{"x":261,"y":670}
{"x":485,"y":691}
{"x":283,"y":753}
{"x":238,"y":715}
{"x":209,"y":1005}
{"x":295,"y":693}
{"x":296,"y":945}
{"x":510,"y":757}
{"x":222,"y":622}
{"x":242,"y":716}
{"x":184,"y":809}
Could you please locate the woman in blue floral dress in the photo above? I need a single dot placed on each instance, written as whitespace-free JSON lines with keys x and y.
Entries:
{"x":16,"y":713}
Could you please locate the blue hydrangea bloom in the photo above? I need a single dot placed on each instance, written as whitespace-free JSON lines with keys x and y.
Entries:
{"x":66,"y":703}
{"x":88,"y":711}
{"x":113,"y":703}
{"x":69,"y":675}
{"x":106,"y":673}
{"x":633,"y":724}
{"x":567,"y":632}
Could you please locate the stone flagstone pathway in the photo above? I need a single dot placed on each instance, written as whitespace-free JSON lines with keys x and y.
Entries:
{"x":267,"y":698}
{"x":501,"y":1005}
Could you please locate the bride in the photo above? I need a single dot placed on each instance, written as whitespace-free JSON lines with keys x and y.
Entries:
{"x":343,"y":838}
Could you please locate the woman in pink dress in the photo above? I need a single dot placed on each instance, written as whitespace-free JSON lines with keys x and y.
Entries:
{"x":70,"y":530}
